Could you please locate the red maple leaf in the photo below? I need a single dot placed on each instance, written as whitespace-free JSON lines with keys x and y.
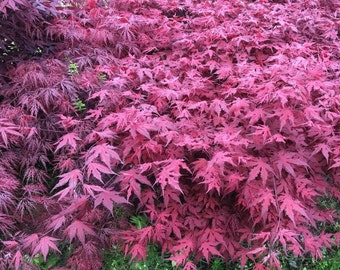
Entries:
{"x":325,"y":150}
{"x":17,"y":259}
{"x":208,"y":249}
{"x":64,"y":193}
{"x":182,"y":249}
{"x":170,"y":173}
{"x":94,"y":114}
{"x":44,"y":245}
{"x":189,"y":266}
{"x":72,"y":178}
{"x":106,"y":154}
{"x":8,"y":132}
{"x":107,"y":198}
{"x":287,"y":160}
{"x":96,"y":169}
{"x":288,"y":238}
{"x":105,"y":135}
{"x":131,"y":181}
{"x":261,"y":168}
{"x":263,"y":132}
{"x":56,"y":222}
{"x":245,"y":95}
{"x":78,"y":229}
{"x":30,"y":241}
{"x":69,"y":139}
{"x":292,"y":207}
{"x":256,"y":115}
{"x":336,"y":163}
{"x":67,"y":121}
{"x":263,"y":200}
{"x":138,"y":251}
{"x":90,"y":189}
{"x":285,"y":116}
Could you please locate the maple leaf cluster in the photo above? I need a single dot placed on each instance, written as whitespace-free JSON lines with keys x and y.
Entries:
{"x":22,"y":28}
{"x":219,"y":120}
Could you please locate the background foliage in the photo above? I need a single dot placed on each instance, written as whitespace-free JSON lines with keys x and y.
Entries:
{"x":213,"y":124}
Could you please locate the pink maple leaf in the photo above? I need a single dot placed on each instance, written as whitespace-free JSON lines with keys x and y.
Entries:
{"x":292,"y":207}
{"x":138,"y":251}
{"x":261,"y":168}
{"x":182,"y":250}
{"x":131,"y":181}
{"x":44,"y":245}
{"x":72,"y":178}
{"x":208,"y":249}
{"x":170,"y":174}
{"x":107,"y":198}
{"x":96,"y":169}
{"x":56,"y":222}
{"x":8,"y":131}
{"x":17,"y":259}
{"x":287,"y":160}
{"x":324,"y":149}
{"x":105,"y":152}
{"x":69,"y":139}
{"x":79,"y":229}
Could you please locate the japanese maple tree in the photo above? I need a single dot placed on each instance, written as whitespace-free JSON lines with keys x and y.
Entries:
{"x":219,"y":120}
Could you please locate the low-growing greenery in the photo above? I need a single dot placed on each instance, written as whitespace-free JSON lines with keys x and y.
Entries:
{"x":114,"y":258}
{"x":72,"y":69}
{"x":79,"y":105}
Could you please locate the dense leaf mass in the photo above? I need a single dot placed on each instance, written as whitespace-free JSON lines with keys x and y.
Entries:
{"x":219,"y":120}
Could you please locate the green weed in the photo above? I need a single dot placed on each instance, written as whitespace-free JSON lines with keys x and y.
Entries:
{"x":79,"y":105}
{"x":72,"y":69}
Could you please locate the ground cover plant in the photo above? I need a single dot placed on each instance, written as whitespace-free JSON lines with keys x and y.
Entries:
{"x":215,"y":121}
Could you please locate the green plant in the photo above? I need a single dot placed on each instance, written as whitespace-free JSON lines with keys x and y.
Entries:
{"x":72,"y":68}
{"x":115,"y":260}
{"x":139,"y":221}
{"x":102,"y":76}
{"x":330,"y":261}
{"x":329,"y":202}
{"x":53,"y":260}
{"x":218,"y":264}
{"x":79,"y":105}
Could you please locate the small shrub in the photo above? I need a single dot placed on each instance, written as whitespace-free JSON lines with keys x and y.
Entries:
{"x":216,"y":120}
{"x":115,"y":260}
